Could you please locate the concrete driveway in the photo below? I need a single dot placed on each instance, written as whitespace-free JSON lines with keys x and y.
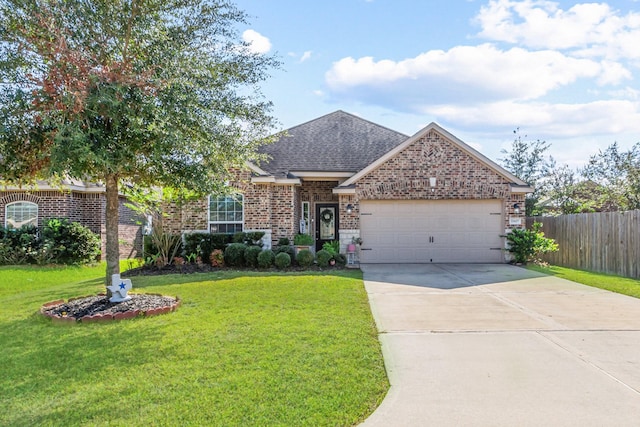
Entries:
{"x":498,"y":345}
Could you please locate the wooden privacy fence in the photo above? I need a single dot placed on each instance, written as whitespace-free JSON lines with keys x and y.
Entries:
{"x":607,"y":242}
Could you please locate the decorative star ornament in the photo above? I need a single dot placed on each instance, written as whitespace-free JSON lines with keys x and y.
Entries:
{"x":119,"y":289}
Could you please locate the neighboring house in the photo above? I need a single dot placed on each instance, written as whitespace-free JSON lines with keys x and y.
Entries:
{"x":425,"y":198}
{"x":79,"y":201}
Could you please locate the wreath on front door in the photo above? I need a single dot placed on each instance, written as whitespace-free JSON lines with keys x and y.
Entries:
{"x":326,"y":216}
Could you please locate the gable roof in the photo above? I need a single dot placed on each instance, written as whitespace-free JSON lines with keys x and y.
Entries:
{"x":514,"y":180}
{"x":336,"y":142}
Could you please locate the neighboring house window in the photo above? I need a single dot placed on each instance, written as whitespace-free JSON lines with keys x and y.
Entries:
{"x":226,"y":214}
{"x":19,"y":214}
{"x":304,"y":218}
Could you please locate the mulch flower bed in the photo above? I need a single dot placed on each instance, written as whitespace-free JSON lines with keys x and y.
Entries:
{"x":98,"y":308}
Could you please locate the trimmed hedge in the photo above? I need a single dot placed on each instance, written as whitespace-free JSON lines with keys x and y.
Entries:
{"x":71,"y":242}
{"x":202,"y":244}
{"x":323,"y":257}
{"x":251,"y":238}
{"x":266,"y":259}
{"x":305,"y":258}
{"x":283,"y":260}
{"x":341,"y":259}
{"x":290,"y":250}
{"x":251,"y":255}
{"x":234,"y":255}
{"x":60,"y":242}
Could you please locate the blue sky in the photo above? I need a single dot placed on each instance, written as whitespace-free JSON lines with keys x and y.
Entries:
{"x":561,"y":71}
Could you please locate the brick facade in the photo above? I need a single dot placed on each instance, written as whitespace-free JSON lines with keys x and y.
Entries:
{"x":273,"y":208}
{"x":276,"y":208}
{"x":267,"y":207}
{"x":85,"y":208}
{"x":406,"y":176}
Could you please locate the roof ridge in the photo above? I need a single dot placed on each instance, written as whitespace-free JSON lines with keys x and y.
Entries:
{"x":351,"y":115}
{"x":337,"y":141}
{"x":373,"y":123}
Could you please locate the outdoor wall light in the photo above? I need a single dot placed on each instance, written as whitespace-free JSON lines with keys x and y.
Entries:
{"x":516,"y":209}
{"x":349,"y":208}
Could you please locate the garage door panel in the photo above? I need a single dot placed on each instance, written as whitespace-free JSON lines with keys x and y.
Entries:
{"x":431,"y":231}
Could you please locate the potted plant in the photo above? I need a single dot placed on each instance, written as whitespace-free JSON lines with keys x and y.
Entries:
{"x":351,"y":247}
{"x":303,"y":241}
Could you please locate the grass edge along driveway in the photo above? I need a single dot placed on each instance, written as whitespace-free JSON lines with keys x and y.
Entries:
{"x":622,"y":285}
{"x":245,"y":348}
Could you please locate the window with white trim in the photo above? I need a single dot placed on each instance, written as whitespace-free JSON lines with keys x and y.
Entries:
{"x":226,"y":214}
{"x":19,"y":214}
{"x":304,"y":218}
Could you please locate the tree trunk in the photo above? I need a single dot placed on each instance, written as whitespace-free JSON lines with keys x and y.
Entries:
{"x":111,"y":224}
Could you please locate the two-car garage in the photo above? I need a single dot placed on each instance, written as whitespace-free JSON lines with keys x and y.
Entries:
{"x":425,"y":231}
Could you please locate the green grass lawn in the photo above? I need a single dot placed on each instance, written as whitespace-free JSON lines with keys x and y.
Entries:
{"x":262,"y":349}
{"x":621,"y":285}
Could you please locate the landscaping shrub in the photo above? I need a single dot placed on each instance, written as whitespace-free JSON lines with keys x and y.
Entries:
{"x":529,"y":245}
{"x":266,"y":259}
{"x":203,"y":244}
{"x":283,"y":260}
{"x":234,"y":255}
{"x":254,"y":238}
{"x":148,"y":247}
{"x":340,"y":259}
{"x":239,"y":237}
{"x":251,"y":255}
{"x":61,"y":242}
{"x":251,"y":238}
{"x":168,"y":245}
{"x":305,"y":258}
{"x":303,"y":240}
{"x":323,"y":257}
{"x":332,"y":247}
{"x":284,"y":246}
{"x":216,"y":258}
{"x":18,"y":246}
{"x":70,"y":242}
{"x":283,"y":241}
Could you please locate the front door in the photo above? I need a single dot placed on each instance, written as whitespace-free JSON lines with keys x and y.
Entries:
{"x":326,"y":223}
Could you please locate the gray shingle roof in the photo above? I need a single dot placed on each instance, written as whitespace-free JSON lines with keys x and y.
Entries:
{"x":336,"y":142}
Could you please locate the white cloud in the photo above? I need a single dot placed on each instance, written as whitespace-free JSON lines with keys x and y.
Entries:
{"x":306,"y":55}
{"x":257,"y":42}
{"x":590,"y":29}
{"x":566,"y":120}
{"x":564,"y":72}
{"x":467,"y":73}
{"x":626,"y":93}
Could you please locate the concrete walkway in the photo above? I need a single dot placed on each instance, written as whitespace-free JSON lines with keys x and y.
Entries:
{"x":498,"y":345}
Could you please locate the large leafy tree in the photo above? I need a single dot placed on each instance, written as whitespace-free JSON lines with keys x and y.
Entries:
{"x":617,"y":175}
{"x":143,"y":92}
{"x":528,"y":161}
{"x":566,"y":193}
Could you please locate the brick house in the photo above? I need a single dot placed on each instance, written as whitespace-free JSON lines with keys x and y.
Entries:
{"x":79,"y":201}
{"x":425,"y":198}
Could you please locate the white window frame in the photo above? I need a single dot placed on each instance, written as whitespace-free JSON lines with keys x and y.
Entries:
{"x":27,"y":204}
{"x":305,"y":221}
{"x":236,"y":198}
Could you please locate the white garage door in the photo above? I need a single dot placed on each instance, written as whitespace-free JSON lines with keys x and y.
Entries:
{"x":425,"y":231}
